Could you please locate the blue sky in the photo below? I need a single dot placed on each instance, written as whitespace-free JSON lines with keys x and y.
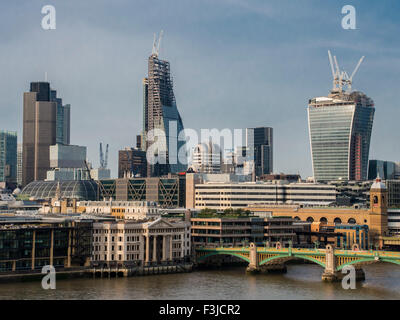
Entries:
{"x":235,"y":64}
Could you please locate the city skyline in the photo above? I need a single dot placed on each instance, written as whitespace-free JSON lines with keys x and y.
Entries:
{"x":235,"y":69}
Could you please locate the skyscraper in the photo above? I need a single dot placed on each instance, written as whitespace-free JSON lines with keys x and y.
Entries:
{"x":8,"y":157}
{"x":340,"y":128}
{"x":160,"y":112}
{"x":19,"y":164}
{"x":63,"y":120}
{"x":259,"y":144}
{"x":45,"y":122}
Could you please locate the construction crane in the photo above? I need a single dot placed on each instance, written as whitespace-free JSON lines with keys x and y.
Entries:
{"x":341,"y":79}
{"x":103,"y":159}
{"x":156,"y":47}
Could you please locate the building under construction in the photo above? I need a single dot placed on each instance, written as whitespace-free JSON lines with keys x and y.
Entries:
{"x":160,"y":112}
{"x":340,"y":127}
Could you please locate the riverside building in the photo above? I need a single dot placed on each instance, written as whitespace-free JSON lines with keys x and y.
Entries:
{"x":141,"y":243}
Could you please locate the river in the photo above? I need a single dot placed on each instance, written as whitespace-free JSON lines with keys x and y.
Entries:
{"x":302,"y":281}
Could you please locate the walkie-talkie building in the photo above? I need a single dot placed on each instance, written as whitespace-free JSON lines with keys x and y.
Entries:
{"x":160,"y":112}
{"x":340,"y":128}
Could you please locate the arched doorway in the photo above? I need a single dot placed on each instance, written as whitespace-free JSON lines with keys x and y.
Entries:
{"x":310,"y":219}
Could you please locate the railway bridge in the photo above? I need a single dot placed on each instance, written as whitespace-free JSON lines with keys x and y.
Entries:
{"x":263,"y":259}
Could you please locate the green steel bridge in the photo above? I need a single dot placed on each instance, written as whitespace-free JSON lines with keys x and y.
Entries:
{"x":332,"y":260}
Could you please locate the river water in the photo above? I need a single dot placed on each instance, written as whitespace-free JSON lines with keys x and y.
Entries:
{"x":300,"y":282}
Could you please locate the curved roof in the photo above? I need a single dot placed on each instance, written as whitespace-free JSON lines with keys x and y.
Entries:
{"x":74,"y":189}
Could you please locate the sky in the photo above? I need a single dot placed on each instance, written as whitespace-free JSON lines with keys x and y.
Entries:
{"x":235,"y":64}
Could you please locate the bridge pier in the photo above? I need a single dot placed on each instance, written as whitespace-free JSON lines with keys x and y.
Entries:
{"x":253,"y":266}
{"x":330,"y":274}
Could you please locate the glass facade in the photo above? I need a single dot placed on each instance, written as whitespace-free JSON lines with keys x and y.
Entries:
{"x":8,"y":156}
{"x":340,"y":132}
{"x":80,"y":190}
{"x":161,"y":114}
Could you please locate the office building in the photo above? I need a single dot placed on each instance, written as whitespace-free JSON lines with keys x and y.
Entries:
{"x":217,"y":195}
{"x":43,"y":126}
{"x":385,"y":169}
{"x":375,"y":217}
{"x":29,"y":243}
{"x":259,"y":147}
{"x":340,"y":128}
{"x":207,"y":158}
{"x":67,"y":162}
{"x":63,"y":119}
{"x":393,"y":187}
{"x":167,"y":191}
{"x":237,"y":231}
{"x":132,"y":163}
{"x":160,"y":115}
{"x":19,"y":164}
{"x":8,"y":157}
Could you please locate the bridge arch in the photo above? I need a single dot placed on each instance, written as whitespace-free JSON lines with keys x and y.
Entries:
{"x":291,"y":257}
{"x":216,"y":253}
{"x":367,"y":261}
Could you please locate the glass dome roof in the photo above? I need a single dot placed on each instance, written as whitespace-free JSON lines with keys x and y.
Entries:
{"x":74,"y":189}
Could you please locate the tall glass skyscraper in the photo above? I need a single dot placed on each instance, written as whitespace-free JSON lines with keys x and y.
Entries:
{"x":8,"y":156}
{"x":259,"y":144}
{"x":160,"y":112}
{"x":340,"y":128}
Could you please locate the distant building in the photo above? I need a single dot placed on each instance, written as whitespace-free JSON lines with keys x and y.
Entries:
{"x":259,"y":145}
{"x":167,"y":191}
{"x":375,"y":217}
{"x":63,"y":119}
{"x":135,"y":210}
{"x":67,"y":162}
{"x":281,"y":176}
{"x":393,"y":187}
{"x":45,"y":190}
{"x":45,"y":123}
{"x":217,"y":195}
{"x":100,"y":173}
{"x":19,"y":164}
{"x":383,"y":169}
{"x":207,"y":158}
{"x":132,"y":163}
{"x":340,"y":128}
{"x":161,"y":113}
{"x":8,"y":157}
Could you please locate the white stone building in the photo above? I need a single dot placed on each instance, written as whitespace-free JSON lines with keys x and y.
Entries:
{"x":141,"y":243}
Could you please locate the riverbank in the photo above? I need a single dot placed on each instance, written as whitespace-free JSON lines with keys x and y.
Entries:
{"x":85,"y":272}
